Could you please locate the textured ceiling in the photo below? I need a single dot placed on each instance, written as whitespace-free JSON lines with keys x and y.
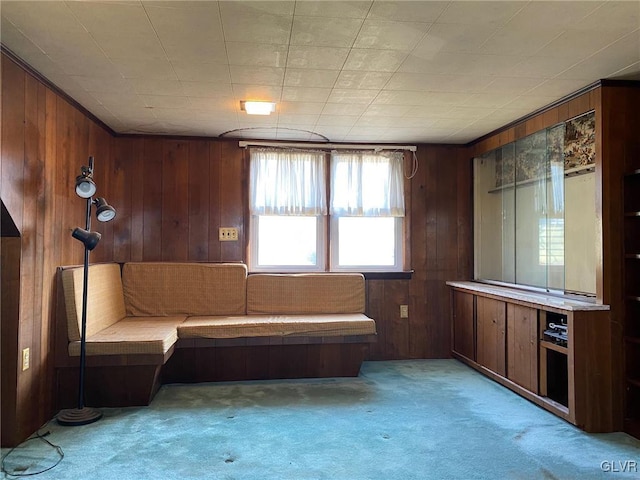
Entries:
{"x":445,"y":72}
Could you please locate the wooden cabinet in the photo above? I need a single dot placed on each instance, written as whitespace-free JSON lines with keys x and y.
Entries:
{"x":522,"y":346}
{"x":632,"y":301}
{"x":463,"y":324}
{"x":570,"y":377}
{"x":491,"y":323}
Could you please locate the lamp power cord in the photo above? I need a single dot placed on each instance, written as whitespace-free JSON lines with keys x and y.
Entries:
{"x":36,"y":436}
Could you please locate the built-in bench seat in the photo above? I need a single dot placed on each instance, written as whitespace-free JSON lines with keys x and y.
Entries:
{"x":182,"y":322}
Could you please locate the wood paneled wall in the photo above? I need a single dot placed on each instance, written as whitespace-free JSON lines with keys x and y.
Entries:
{"x":171,"y":195}
{"x":45,"y":140}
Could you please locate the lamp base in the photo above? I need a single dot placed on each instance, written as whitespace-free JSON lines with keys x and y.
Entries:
{"x":74,"y":417}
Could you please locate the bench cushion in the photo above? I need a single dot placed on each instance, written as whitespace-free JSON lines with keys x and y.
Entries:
{"x":105,"y":302}
{"x":308,"y":293}
{"x":164,"y":289}
{"x":133,"y":335}
{"x":277,"y":325}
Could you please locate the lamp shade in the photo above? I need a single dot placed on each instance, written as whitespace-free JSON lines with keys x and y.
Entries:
{"x":104,"y":211}
{"x":85,"y":187}
{"x":89,"y":239}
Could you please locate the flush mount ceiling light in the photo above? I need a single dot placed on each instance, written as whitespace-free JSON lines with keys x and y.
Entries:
{"x":257,"y":108}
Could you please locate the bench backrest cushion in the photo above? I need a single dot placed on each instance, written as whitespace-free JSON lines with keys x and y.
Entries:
{"x":305,"y":293}
{"x":105,"y":302}
{"x":165,"y":289}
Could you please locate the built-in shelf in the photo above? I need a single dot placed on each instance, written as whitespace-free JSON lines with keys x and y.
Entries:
{"x":633,"y":298}
{"x":632,"y":173}
{"x":632,"y":255}
{"x":632,"y":214}
{"x":553,"y":346}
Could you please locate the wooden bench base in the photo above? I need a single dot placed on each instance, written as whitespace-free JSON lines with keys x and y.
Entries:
{"x":133,"y":380}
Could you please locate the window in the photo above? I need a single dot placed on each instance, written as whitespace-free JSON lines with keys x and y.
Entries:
{"x":291,"y":228}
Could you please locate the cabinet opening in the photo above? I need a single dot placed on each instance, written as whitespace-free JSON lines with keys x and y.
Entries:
{"x":557,"y":377}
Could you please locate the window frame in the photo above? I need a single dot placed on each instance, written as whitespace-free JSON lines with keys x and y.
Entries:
{"x":328,"y":237}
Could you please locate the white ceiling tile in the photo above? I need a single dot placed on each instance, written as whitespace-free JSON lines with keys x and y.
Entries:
{"x":474,"y":13}
{"x":453,"y":38}
{"x":256,"y":22}
{"x":387,"y":110}
{"x":256,"y":75}
{"x":268,"y":93}
{"x":551,"y":15}
{"x":578,"y":44}
{"x":201,"y":72}
{"x":490,"y":100}
{"x":529,"y":102}
{"x":165,"y":101}
{"x":385,"y":35}
{"x":341,"y":95}
{"x":140,"y":46}
{"x":296,"y":77}
{"x":102,"y":84}
{"x":129,"y":103}
{"x":372,"y":60}
{"x":404,"y":11}
{"x":520,"y":39}
{"x":511,"y":86}
{"x":342,"y":9}
{"x":322,"y":58}
{"x":20,"y":44}
{"x":429,"y":111}
{"x":557,"y":87}
{"x":157,"y":86}
{"x":307,"y":120}
{"x":401,"y":97}
{"x":460,"y":64}
{"x":92,"y":66}
{"x":300,"y":108}
{"x":99,"y":18}
{"x":305,"y":94}
{"x":207,"y":89}
{"x":337,"y":120}
{"x":196,"y":50}
{"x":149,"y":67}
{"x":349,"y":109}
{"x":540,"y":67}
{"x":365,"y":80}
{"x":621,"y":16}
{"x":632,"y":72}
{"x":183,"y":20}
{"x":257,"y":54}
{"x":437,"y":83}
{"x":318,"y":31}
{"x":365,"y":133}
{"x":376,"y":121}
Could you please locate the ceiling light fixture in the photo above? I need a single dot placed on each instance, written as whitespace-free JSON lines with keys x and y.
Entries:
{"x":257,"y":108}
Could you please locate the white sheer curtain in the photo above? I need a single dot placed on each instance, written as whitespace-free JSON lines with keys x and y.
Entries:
{"x":287,"y":182}
{"x":367,"y":184}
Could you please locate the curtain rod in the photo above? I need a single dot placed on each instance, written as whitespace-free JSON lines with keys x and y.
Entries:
{"x":327,"y":146}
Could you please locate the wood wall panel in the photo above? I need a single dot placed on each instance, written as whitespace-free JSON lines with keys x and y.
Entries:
{"x":44,"y":142}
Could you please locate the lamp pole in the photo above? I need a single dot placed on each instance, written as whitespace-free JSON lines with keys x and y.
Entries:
{"x":85,"y":188}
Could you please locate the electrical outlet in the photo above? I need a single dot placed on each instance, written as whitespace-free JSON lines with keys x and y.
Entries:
{"x":404,"y":311}
{"x":25,"y":359}
{"x":228,"y":234}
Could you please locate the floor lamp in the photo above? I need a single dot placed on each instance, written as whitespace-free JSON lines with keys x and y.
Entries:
{"x":86,"y":188}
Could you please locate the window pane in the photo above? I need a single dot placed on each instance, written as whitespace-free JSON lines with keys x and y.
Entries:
{"x":287,"y":240}
{"x":366,"y":241}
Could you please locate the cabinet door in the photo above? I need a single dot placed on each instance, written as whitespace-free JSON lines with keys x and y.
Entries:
{"x":463,"y":335}
{"x":491,"y":322}
{"x":522,"y":346}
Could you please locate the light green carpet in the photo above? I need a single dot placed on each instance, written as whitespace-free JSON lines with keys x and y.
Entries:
{"x":424,"y":419}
